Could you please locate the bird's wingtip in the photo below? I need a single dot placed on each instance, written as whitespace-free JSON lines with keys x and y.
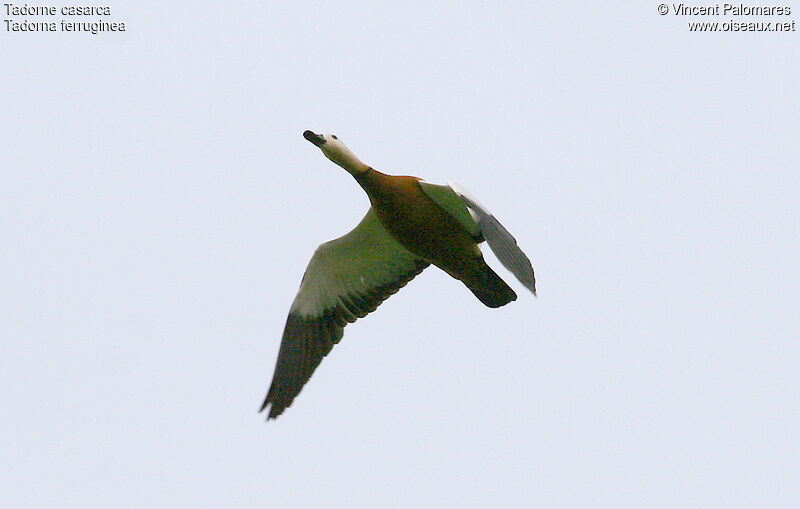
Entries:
{"x":272,"y":411}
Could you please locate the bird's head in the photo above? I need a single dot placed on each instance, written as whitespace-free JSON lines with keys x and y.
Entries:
{"x":336,"y":151}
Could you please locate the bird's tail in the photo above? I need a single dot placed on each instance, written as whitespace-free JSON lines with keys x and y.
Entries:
{"x":488,"y":287}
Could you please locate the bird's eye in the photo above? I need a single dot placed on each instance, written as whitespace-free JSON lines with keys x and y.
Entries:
{"x":334,"y":137}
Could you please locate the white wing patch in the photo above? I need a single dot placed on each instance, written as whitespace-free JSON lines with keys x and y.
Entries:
{"x":356,"y":264}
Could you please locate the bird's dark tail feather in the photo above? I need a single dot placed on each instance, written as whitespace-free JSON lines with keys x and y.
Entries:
{"x":489,"y":288}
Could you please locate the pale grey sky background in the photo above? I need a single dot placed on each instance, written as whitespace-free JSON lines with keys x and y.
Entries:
{"x":158,"y":207}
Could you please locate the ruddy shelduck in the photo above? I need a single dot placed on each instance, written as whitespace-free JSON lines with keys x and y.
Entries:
{"x":410,"y":224}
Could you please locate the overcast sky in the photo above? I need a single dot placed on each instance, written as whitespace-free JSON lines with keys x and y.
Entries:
{"x":159,"y":205}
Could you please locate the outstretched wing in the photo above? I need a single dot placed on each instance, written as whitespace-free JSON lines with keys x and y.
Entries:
{"x":482,"y":225}
{"x":346,"y":279}
{"x":500,"y":240}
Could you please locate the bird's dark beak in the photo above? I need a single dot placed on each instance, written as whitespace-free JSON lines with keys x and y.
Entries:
{"x":316,"y":139}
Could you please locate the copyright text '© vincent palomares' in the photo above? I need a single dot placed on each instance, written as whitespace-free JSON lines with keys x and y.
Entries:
{"x":682,"y":9}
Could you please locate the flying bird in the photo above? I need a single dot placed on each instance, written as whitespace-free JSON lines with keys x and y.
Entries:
{"x":410,"y":225}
